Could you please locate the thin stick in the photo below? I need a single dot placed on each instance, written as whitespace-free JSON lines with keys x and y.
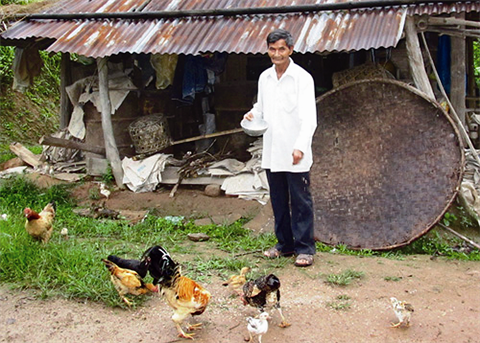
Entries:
{"x":455,"y":116}
{"x":460,"y":235}
{"x":233,"y":327}
{"x":247,"y":253}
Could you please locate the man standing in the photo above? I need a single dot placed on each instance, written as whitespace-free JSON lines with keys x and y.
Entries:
{"x":286,"y":100}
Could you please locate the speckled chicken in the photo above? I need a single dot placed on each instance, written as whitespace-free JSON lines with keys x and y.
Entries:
{"x":264,"y":292}
{"x":127,"y":281}
{"x":236,"y":282}
{"x":403,"y":311}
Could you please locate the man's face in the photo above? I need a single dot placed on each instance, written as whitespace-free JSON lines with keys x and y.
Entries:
{"x":279,"y":53}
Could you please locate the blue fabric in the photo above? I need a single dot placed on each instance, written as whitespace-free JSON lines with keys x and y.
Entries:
{"x":293,"y":211}
{"x":443,"y":61}
{"x":194,"y":77}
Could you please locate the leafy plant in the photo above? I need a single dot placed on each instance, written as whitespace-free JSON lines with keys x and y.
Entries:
{"x":449,"y":218}
{"x":108,"y":177}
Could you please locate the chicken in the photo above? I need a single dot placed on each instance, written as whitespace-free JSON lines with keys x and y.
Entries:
{"x":184,"y":295}
{"x":403,"y":311}
{"x":258,"y":327}
{"x":40,"y":225}
{"x":236,"y":282}
{"x":64,"y":233}
{"x":159,"y":262}
{"x":104,"y":190}
{"x":141,"y":267}
{"x":264,"y":292}
{"x":127,"y":281}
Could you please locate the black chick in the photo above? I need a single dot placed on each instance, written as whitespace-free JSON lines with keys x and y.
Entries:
{"x":264,"y":292}
{"x":141,"y":267}
{"x":161,"y":265}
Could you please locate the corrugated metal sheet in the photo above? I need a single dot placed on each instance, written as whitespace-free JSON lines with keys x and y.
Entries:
{"x":314,"y":32}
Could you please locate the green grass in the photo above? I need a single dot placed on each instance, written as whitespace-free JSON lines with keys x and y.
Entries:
{"x":344,"y":278}
{"x":72,"y":268}
{"x":341,"y":303}
{"x":392,"y":278}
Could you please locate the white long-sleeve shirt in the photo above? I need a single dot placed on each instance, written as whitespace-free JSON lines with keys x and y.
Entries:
{"x":288,"y":105}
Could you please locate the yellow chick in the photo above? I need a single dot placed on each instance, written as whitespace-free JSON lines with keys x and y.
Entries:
{"x":236,"y":282}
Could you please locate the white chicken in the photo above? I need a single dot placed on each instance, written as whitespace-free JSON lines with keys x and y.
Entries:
{"x":64,"y":233}
{"x":403,"y":311}
{"x":258,"y":327}
{"x":104,"y":190}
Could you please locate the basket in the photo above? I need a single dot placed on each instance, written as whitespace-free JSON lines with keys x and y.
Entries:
{"x":150,"y":134}
{"x":362,"y":72}
{"x":388,"y":162}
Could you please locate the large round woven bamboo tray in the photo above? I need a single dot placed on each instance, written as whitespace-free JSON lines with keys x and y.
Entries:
{"x":387,"y":165}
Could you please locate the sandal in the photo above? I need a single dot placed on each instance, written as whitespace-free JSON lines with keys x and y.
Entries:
{"x":275,"y":253}
{"x":304,"y":260}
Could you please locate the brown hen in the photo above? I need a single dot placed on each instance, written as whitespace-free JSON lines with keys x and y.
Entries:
{"x":127,"y":281}
{"x":40,"y":225}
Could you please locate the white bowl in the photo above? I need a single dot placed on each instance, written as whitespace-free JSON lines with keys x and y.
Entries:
{"x":255,"y":127}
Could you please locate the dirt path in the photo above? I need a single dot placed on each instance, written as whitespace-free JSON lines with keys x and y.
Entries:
{"x":445,"y":295}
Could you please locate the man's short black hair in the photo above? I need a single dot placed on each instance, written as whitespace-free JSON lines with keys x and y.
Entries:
{"x":278,"y":34}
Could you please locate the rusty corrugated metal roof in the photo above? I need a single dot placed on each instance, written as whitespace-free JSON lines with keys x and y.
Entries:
{"x":327,"y":31}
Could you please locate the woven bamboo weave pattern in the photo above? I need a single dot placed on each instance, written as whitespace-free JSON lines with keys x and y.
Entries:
{"x":387,"y":164}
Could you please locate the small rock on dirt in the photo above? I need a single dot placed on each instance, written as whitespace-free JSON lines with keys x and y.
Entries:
{"x":213,"y":190}
{"x":198,"y":237}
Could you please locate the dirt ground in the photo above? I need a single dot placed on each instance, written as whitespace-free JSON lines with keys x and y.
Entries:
{"x":445,"y":295}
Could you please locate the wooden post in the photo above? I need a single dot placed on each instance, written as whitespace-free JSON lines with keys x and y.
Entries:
{"x":457,"y":72}
{"x":415,"y":58}
{"x":110,"y":145}
{"x":65,"y":80}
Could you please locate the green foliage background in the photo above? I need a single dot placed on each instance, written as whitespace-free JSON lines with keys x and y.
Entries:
{"x":25,"y":117}
{"x":15,"y":2}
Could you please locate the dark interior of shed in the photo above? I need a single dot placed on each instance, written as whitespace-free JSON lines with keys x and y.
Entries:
{"x":230,"y":95}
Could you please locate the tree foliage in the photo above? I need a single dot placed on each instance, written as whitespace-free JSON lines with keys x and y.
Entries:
{"x":476,"y":61}
{"x":15,"y":2}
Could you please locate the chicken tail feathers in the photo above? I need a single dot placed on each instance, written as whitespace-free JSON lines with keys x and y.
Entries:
{"x":113,"y":258}
{"x":50,"y":207}
{"x":110,"y":265}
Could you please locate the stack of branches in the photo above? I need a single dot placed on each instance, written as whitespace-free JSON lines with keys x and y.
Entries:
{"x":191,"y":164}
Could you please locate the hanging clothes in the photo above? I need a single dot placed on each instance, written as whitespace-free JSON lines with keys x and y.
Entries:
{"x":27,"y":64}
{"x":444,"y":61}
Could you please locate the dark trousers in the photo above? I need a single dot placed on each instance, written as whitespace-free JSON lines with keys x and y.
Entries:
{"x":293,"y":211}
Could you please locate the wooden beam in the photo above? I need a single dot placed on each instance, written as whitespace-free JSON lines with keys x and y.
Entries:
{"x":66,"y":143}
{"x":110,"y":145}
{"x":457,"y":72}
{"x":455,"y":32}
{"x":452,"y":21}
{"x":415,"y":58}
{"x":25,"y":155}
{"x":65,"y":80}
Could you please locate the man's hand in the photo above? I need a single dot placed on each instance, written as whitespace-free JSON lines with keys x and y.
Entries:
{"x":297,"y":156}
{"x":248,"y":116}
